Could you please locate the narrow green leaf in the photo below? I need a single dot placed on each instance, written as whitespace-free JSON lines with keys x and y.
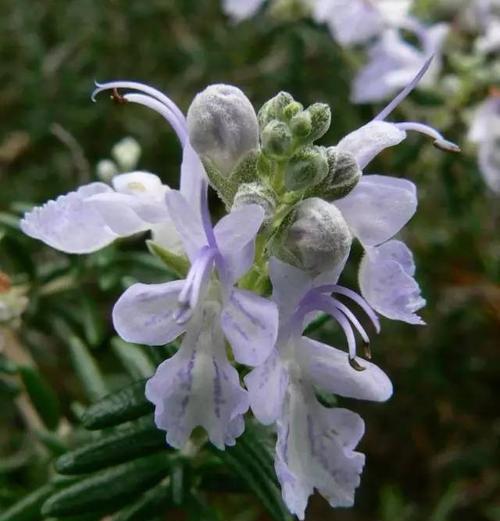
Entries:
{"x":316,"y":324}
{"x":28,"y":508}
{"x":131,"y":442}
{"x":7,"y":366}
{"x":152,"y":503}
{"x":119,"y":407}
{"x":252,"y":461}
{"x":52,"y":442}
{"x":41,"y":395}
{"x":134,"y":358}
{"x":108,"y":490}
{"x":83,"y":363}
{"x":178,"y":264}
{"x":93,"y":322}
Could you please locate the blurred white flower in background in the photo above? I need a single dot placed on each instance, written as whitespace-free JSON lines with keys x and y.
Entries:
{"x":126,"y":154}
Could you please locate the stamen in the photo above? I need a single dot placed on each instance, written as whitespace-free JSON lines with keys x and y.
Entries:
{"x":439,"y":140}
{"x":148,"y":101}
{"x":158,"y":102}
{"x":367,"y":350}
{"x":117,"y":97}
{"x":196,"y":280}
{"x":405,"y":92}
{"x":354,"y":321}
{"x":360,"y":301}
{"x":356,"y":365}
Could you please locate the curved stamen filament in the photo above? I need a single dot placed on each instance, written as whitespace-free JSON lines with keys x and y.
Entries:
{"x":439,"y":140}
{"x":153,"y":104}
{"x":360,"y":301}
{"x":140,"y":87}
{"x":196,"y":280}
{"x":315,"y":301}
{"x":405,"y":92}
{"x":354,"y":321}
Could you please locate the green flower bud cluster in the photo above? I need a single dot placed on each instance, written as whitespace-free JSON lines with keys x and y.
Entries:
{"x":271,"y":159}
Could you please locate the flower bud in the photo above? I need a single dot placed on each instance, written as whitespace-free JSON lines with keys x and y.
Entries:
{"x":222,"y":125}
{"x":274,"y":108}
{"x":314,"y":237}
{"x":126,"y":153}
{"x":321,"y":119}
{"x":343,"y":175}
{"x":277,"y":140}
{"x":255,"y":193}
{"x":306,"y":168}
{"x":301,"y":125}
{"x":292,"y":109}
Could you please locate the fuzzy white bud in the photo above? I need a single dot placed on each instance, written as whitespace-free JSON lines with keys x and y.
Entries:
{"x":315,"y":237}
{"x":222,"y":125}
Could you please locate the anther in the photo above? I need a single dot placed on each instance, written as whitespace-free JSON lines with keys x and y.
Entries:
{"x":117,"y":97}
{"x":356,"y":365}
{"x":367,"y":351}
{"x":447,"y":146}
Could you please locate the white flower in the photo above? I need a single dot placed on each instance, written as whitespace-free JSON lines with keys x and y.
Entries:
{"x":393,"y":63}
{"x":485,"y":132}
{"x":357,"y":21}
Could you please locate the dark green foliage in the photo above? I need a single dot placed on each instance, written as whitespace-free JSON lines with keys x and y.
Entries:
{"x":133,"y":440}
{"x":432,"y":451}
{"x":108,"y":489}
{"x":127,"y":404}
{"x":42,"y":396}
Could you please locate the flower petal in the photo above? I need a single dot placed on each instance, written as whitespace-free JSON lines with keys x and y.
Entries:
{"x":369,"y":140}
{"x":378,"y":208}
{"x":329,"y":369}
{"x":250,"y":324}
{"x":314,"y":450}
{"x":187,"y":222}
{"x":70,"y":223}
{"x":489,"y":162}
{"x":235,"y":234}
{"x":349,"y":21}
{"x":387,"y":283}
{"x":192,"y":178}
{"x":267,"y":386}
{"x":198,"y":386}
{"x":144,"y":314}
{"x":238,"y":10}
{"x":290,"y":284}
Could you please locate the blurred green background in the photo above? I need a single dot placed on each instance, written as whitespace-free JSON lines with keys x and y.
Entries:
{"x":432,"y":451}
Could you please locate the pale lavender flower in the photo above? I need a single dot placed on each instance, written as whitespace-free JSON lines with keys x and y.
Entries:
{"x":357,"y":21}
{"x":393,"y":62}
{"x":315,"y":447}
{"x":239,"y":10}
{"x":95,"y":215}
{"x":198,"y":386}
{"x":379,"y":207}
{"x":485,"y":132}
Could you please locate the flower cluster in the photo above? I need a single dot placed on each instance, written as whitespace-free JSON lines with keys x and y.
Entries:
{"x":398,"y":43}
{"x":255,"y":280}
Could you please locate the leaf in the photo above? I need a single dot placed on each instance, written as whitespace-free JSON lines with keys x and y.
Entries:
{"x":28,"y":508}
{"x":178,"y":264}
{"x":41,"y":395}
{"x":131,"y":442}
{"x":251,"y":460}
{"x":92,"y":320}
{"x":109,"y":489}
{"x":83,"y":363}
{"x":153,"y":502}
{"x":121,"y":406}
{"x":134,"y":359}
